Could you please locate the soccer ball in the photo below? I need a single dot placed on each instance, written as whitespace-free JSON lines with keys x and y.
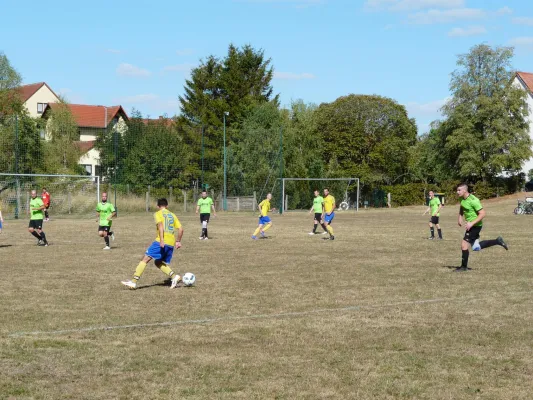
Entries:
{"x":189,"y":279}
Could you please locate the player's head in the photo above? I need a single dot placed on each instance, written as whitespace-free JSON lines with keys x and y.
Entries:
{"x":204,"y":194}
{"x":462,"y":190}
{"x":326,"y":191}
{"x":33,"y":194}
{"x":269,"y":196}
{"x":431,"y":194}
{"x":104,"y":197}
{"x":316,"y":192}
{"x":162,"y":203}
{"x":44,"y":190}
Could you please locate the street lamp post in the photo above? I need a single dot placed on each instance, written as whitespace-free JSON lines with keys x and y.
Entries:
{"x":225,"y":200}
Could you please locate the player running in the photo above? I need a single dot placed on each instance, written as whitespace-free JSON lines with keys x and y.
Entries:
{"x":472,"y":211}
{"x":264,"y":220}
{"x":36,"y":219}
{"x":161,"y":250}
{"x":106,"y":212}
{"x":329,"y":212}
{"x":318,"y":209}
{"x":434,"y":206}
{"x":204,"y":205}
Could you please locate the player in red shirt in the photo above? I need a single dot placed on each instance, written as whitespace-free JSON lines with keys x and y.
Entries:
{"x":46,"y":200}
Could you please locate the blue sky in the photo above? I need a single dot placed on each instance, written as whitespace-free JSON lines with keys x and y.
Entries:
{"x":138,"y":54}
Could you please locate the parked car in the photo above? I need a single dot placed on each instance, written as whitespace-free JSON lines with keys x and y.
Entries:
{"x":529,"y":186}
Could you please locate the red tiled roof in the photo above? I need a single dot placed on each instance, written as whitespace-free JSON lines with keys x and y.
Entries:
{"x":85,"y":146}
{"x":26,"y":91}
{"x":161,"y":120}
{"x":91,"y":116}
{"x":527,"y":78}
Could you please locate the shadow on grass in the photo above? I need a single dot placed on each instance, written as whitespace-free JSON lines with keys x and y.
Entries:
{"x":454,"y":267}
{"x":5,"y":245}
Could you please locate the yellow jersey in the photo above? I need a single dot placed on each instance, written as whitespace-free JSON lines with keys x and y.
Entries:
{"x":170,"y":224}
{"x":329,"y":203}
{"x":265,"y":207}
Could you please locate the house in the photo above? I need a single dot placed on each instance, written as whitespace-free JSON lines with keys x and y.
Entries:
{"x":36,"y":96}
{"x":91,"y":121}
{"x":525,"y":81}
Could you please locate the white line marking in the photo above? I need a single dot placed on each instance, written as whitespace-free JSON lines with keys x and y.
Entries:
{"x":242,"y":317}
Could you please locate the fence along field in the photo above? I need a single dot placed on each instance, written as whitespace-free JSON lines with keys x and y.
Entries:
{"x":376,"y":313}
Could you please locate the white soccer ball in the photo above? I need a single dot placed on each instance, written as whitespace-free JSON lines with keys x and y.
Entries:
{"x":189,"y":279}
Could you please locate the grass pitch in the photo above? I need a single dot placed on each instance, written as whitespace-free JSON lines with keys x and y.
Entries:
{"x":375,"y":314}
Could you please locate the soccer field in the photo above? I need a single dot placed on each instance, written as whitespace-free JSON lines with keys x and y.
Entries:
{"x":375,"y":314}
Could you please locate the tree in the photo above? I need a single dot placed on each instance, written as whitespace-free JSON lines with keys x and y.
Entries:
{"x":485,"y":130}
{"x":366,"y":137}
{"x":10,"y":80}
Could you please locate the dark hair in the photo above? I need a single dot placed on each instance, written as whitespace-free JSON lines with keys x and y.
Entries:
{"x":326,"y":189}
{"x":204,"y":191}
{"x":162,"y":202}
{"x":462,"y":184}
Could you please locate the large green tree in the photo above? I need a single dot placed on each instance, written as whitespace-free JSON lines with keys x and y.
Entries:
{"x":10,"y":80}
{"x":484,"y":131}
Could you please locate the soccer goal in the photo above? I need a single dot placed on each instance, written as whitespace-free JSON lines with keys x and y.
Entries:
{"x":297,"y":193}
{"x":71,"y":195}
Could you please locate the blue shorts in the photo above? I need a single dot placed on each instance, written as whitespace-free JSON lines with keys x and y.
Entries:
{"x":0,"y":224}
{"x":264,"y":220}
{"x":160,"y":254}
{"x":329,"y":218}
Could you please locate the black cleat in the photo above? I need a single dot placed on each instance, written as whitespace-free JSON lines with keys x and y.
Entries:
{"x":332,"y":238}
{"x":461,"y":269}
{"x":502,"y":243}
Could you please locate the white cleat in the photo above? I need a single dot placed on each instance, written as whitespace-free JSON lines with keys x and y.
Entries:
{"x":311,"y":233}
{"x":201,"y":238}
{"x":175,"y":281}
{"x":324,"y":233}
{"x":130,"y":284}
{"x":107,"y":248}
{"x":206,"y":238}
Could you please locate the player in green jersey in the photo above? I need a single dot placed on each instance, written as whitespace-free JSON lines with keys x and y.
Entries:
{"x":36,"y":219}
{"x":318,"y":210}
{"x":473,"y":213}
{"x":434,"y":210}
{"x":106,"y":211}
{"x":204,"y":206}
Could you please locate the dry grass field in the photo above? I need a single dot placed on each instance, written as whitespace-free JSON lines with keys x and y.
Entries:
{"x":375,"y":314}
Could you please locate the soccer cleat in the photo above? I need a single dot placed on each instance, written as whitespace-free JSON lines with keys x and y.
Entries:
{"x":324,"y":233}
{"x":461,"y":269}
{"x":431,"y":238}
{"x":130,"y":284}
{"x":47,"y":219}
{"x":254,"y":237}
{"x":332,"y":237}
{"x":43,"y":244}
{"x":206,"y":238}
{"x":107,"y":248}
{"x":476,"y":246}
{"x":311,"y":233}
{"x":113,"y":236}
{"x":175,"y":280}
{"x":502,"y":243}
{"x":201,"y":238}
{"x":39,"y":242}
{"x":263,"y":234}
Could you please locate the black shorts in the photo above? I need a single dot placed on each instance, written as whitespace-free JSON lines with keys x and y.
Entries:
{"x":318,"y":216}
{"x":472,"y":235}
{"x":36,"y":224}
{"x":434,"y":219}
{"x":205,"y":217}
{"x":104,"y":228}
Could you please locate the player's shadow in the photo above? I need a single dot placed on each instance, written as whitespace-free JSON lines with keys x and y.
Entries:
{"x":165,"y":283}
{"x":265,"y":238}
{"x":6,"y":245}
{"x":454,"y":267}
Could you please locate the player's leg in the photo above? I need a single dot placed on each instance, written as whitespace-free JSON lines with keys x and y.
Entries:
{"x":163,"y":264}
{"x":431,"y":230}
{"x":46,"y":214}
{"x":31,"y":229}
{"x":256,"y":232}
{"x":139,"y":270}
{"x":206,"y":224}
{"x":439,"y":231}
{"x":470,"y":239}
{"x":106,"y":237}
{"x":328,"y":221}
{"x":493,"y":242}
{"x":43,"y":237}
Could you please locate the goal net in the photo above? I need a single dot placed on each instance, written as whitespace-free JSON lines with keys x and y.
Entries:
{"x":70,"y":195}
{"x":297,"y":193}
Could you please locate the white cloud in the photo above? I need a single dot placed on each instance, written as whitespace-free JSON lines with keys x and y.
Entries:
{"x":523,"y":21}
{"x":407,"y":5}
{"x":524,"y":42}
{"x":125,"y":69}
{"x":504,"y":11}
{"x":444,"y":16}
{"x":184,"y":52}
{"x":293,"y":76}
{"x":178,"y":68}
{"x":469,"y":31}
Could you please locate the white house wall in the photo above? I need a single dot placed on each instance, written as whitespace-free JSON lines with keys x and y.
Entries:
{"x":43,"y":95}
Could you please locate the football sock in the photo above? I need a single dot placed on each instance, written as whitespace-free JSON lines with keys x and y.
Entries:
{"x":257,"y":231}
{"x":43,"y":237}
{"x":330,"y":230}
{"x":488,"y":243}
{"x":324,"y":227}
{"x":109,"y":233}
{"x":204,"y":232}
{"x":46,"y":214}
{"x":106,"y":238}
{"x":464,"y":259}
{"x":432,"y":231}
{"x":166,"y":270}
{"x":267,"y":227}
{"x":314,"y":228}
{"x":36,"y":235}
{"x":139,"y":271}
{"x":440,"y":233}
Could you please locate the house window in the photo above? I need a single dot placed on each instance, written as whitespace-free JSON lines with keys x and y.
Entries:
{"x":42,"y":133}
{"x":40,"y":107}
{"x":88,"y":168}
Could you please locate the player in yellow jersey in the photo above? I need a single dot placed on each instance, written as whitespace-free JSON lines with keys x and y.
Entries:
{"x":329,"y":212}
{"x":161,"y":250}
{"x":264,"y":220}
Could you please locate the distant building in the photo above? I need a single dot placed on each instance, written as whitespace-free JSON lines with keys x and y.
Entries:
{"x":525,"y":81}
{"x":36,"y":96}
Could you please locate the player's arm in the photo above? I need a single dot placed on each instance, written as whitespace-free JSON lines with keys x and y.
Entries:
{"x":161,"y":230}
{"x":197,"y":208}
{"x":113,"y":215}
{"x":438,"y":209}
{"x":425,"y":212}
{"x":460,"y":217}
{"x":214,"y":211}
{"x":180,"y":235}
{"x":1,"y":217}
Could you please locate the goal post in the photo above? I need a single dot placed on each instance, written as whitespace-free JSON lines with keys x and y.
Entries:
{"x":343,"y":204}
{"x":71,"y":194}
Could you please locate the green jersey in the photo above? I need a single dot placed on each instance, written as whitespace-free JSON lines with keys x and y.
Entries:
{"x":205,"y":205}
{"x":434,"y":204}
{"x":471,"y":206}
{"x":318,"y":204}
{"x":36,"y":203}
{"x":106,"y":210}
